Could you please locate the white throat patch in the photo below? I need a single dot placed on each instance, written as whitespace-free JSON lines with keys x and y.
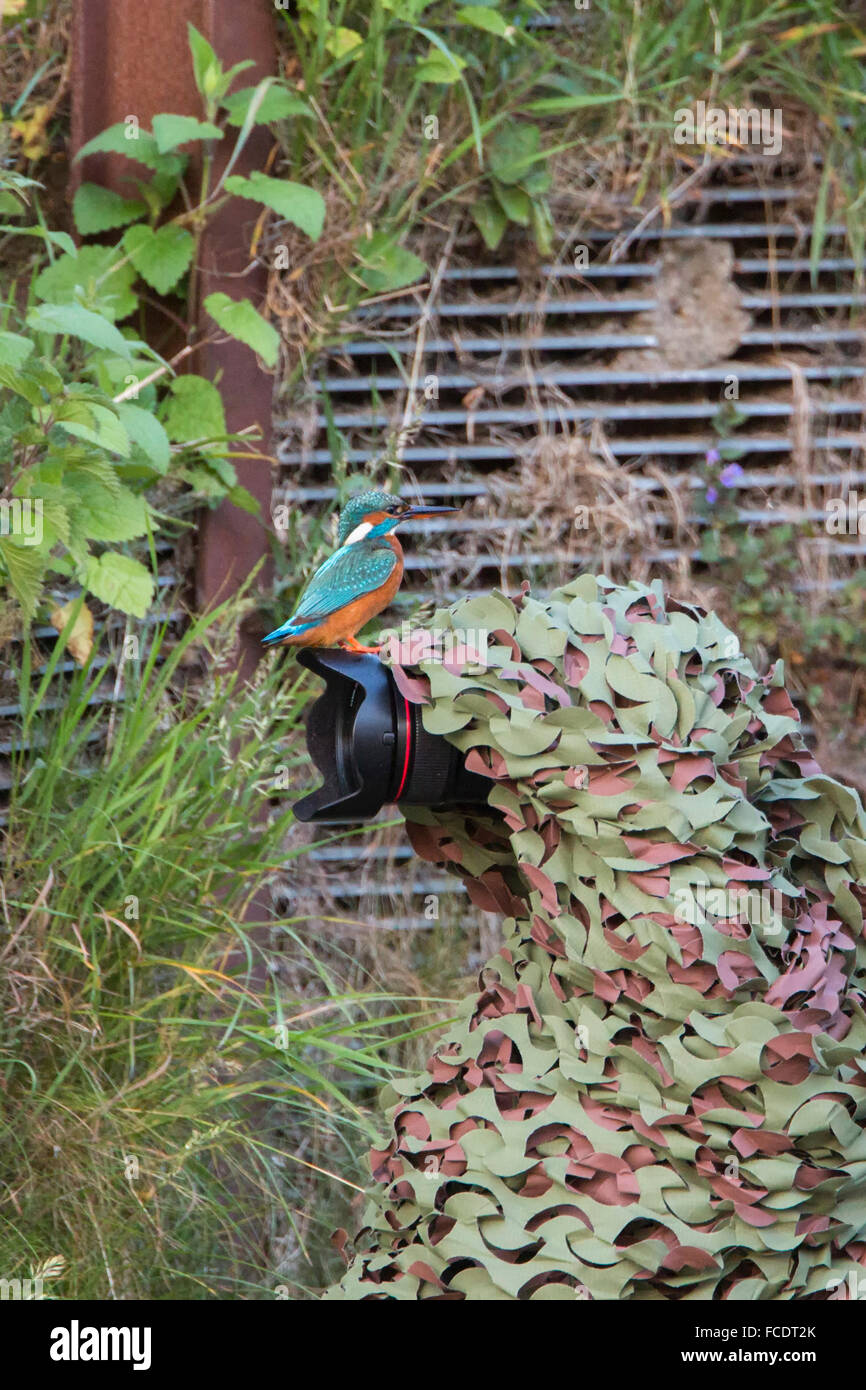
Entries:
{"x":359,"y":533}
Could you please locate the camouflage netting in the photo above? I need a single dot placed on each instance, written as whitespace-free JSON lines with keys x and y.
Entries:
{"x":657,"y":1093}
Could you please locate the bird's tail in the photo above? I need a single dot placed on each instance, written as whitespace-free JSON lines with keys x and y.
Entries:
{"x":289,"y":632}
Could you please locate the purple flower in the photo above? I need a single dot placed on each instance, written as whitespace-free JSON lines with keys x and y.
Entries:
{"x":713,"y":456}
{"x":730,"y":475}
{"x":712,"y":495}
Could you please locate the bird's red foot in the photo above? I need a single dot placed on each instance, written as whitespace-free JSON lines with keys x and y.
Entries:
{"x":352,"y":645}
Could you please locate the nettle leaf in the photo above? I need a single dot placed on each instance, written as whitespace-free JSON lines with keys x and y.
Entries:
{"x":440,"y":67}
{"x":515,"y":203}
{"x":22,"y":385}
{"x":387,"y":266}
{"x":277,"y":104}
{"x":160,"y":257}
{"x":14,"y":349}
{"x":158,"y":192}
{"x":128,"y":138}
{"x":229,"y":76}
{"x":342,"y":41}
{"x":120,"y":582}
{"x":56,"y":523}
{"x":31,"y":436}
{"x":81,"y":323}
{"x":97,"y":209}
{"x":95,"y":424}
{"x":24,"y":566}
{"x":210,"y":78}
{"x":68,"y":412}
{"x":537,"y":180}
{"x":224,"y":469}
{"x":303,"y":207}
{"x":39,"y":480}
{"x":170,"y":131}
{"x":515,"y":150}
{"x":203,"y":56}
{"x":114,"y":374}
{"x":408,"y":9}
{"x":481,"y":17}
{"x":92,"y":465}
{"x":211,"y":482}
{"x":15,"y":417}
{"x":147,"y":433}
{"x":194,"y":411}
{"x":238,"y":318}
{"x":121,"y":138}
{"x":105,"y":517}
{"x":46,"y":375}
{"x":491,"y":221}
{"x":97,"y":277}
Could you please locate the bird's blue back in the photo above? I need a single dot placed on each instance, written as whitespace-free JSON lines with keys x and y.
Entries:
{"x":348,"y":574}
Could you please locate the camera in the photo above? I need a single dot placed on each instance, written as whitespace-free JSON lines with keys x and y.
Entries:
{"x":371,"y":748}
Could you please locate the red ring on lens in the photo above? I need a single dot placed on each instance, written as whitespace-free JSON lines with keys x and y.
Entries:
{"x":408,"y":750}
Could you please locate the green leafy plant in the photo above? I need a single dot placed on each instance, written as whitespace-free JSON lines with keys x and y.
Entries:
{"x":77,"y":461}
{"x":160,"y":246}
{"x":519,"y":179}
{"x":425,"y":109}
{"x":91,"y":418}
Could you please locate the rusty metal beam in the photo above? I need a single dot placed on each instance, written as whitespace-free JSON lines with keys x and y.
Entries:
{"x":133,"y":59}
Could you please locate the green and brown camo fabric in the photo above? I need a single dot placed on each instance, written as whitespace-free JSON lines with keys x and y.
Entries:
{"x":658,"y":1092}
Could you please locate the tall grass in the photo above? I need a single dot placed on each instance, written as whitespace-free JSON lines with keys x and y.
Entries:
{"x":176,"y":1078}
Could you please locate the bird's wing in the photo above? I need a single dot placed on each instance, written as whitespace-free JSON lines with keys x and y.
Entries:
{"x":346,"y":575}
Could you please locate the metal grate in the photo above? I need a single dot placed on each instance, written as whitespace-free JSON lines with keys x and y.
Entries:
{"x":568,"y":358}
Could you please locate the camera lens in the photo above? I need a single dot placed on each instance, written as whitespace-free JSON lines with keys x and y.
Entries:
{"x":370,"y":745}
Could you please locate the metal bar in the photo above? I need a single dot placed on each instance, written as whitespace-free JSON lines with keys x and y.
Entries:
{"x":762,"y":478}
{"x":151,"y":620}
{"x":767,"y":516}
{"x":604,"y":269}
{"x":619,"y":448}
{"x":10,"y":711}
{"x":357,"y":888}
{"x":704,"y":410}
{"x":593,"y":376}
{"x":502,"y":308}
{"x":589,"y":304}
{"x":24,"y":745}
{"x":727,"y":230}
{"x":581,"y":342}
{"x":288,"y":493}
{"x":776,"y":193}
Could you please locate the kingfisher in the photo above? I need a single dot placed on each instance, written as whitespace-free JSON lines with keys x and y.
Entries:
{"x":358,"y":580}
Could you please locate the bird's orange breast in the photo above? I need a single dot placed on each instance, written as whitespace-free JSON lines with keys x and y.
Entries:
{"x":346,"y":621}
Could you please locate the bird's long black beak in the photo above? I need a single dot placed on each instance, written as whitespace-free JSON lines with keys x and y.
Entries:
{"x":416,"y":513}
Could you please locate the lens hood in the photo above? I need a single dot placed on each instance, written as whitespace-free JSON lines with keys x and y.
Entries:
{"x":370,"y":745}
